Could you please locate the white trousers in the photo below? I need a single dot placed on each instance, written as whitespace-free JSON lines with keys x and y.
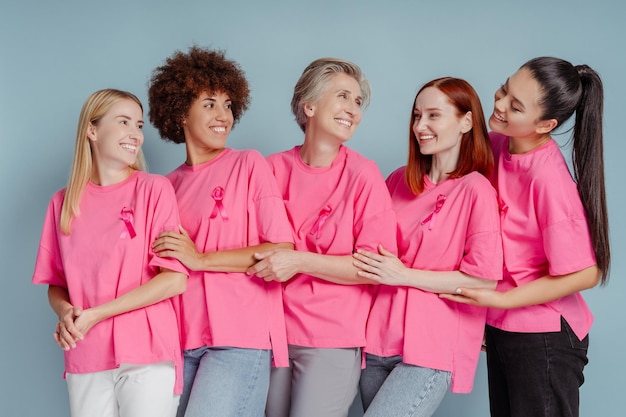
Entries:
{"x":128,"y":391}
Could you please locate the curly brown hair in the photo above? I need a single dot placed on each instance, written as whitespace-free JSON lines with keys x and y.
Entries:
{"x":174,"y":87}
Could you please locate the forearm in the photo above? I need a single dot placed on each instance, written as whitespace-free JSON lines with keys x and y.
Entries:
{"x":444,"y":282}
{"x":336,"y":269}
{"x":549,"y":288}
{"x":237,"y":260}
{"x":164,"y":285}
{"x":59,"y":300}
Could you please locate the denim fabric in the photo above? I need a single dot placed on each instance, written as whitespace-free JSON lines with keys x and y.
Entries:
{"x":535,"y":374}
{"x":320,"y":382}
{"x":392,"y":388}
{"x":225,"y":382}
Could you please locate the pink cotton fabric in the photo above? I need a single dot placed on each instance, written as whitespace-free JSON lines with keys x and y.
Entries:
{"x":544,"y":232}
{"x":99,"y":261}
{"x":232,"y":202}
{"x":453,"y":225}
{"x":334,"y":211}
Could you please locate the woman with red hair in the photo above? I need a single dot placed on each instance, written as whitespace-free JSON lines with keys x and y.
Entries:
{"x":418,"y":343}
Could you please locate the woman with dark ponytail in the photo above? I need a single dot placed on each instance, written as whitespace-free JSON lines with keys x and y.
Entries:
{"x":555,"y":238}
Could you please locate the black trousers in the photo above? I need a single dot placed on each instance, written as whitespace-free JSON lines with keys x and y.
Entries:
{"x":535,"y":374}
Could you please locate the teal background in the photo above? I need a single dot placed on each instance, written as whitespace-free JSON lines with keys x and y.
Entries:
{"x":54,"y":54}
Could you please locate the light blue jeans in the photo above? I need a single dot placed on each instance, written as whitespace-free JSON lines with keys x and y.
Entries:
{"x":225,"y":382}
{"x":392,"y":388}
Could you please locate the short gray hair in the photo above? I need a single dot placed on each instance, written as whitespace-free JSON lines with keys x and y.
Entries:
{"x":314,"y":79}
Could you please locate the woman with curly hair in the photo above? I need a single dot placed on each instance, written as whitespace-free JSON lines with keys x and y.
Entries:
{"x":112,"y":295}
{"x":337,"y":203}
{"x":232,"y":324}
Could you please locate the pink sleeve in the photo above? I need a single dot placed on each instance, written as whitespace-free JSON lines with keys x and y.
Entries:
{"x":483,"y":246}
{"x":564,"y":229}
{"x":267,"y":220}
{"x":165,"y":217}
{"x":48,"y":264}
{"x":375,"y":218}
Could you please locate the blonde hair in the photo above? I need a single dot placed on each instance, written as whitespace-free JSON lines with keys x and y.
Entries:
{"x":96,"y":106}
{"x":314,"y":79}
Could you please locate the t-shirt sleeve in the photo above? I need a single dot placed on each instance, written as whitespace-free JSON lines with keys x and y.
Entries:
{"x":564,"y":230}
{"x":165,"y":217}
{"x":267,"y":217}
{"x":375,"y":218}
{"x":483,"y":246}
{"x":48,"y":264}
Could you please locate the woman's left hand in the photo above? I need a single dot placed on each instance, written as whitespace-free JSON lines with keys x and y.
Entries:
{"x":384,"y":268}
{"x":172,"y":244}
{"x":478,"y":297}
{"x":86,"y":320}
{"x":276,"y":265}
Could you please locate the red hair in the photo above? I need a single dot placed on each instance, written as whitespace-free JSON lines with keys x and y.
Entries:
{"x":475,"y":155}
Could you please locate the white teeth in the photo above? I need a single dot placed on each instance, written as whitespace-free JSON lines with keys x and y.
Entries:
{"x":498,"y":117}
{"x":344,"y":122}
{"x":219,"y":129}
{"x":129,"y":147}
{"x":427,"y":137}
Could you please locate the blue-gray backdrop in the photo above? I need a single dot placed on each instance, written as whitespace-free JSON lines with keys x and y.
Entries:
{"x":54,"y":54}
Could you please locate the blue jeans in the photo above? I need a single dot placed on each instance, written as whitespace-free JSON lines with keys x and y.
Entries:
{"x":225,"y":382}
{"x":392,"y":388}
{"x":535,"y":374}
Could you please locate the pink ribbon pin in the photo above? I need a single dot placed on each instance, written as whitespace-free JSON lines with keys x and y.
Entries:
{"x":128,"y":217}
{"x":432,"y":216}
{"x":503,"y":206}
{"x":324,"y":213}
{"x":218,"y":196}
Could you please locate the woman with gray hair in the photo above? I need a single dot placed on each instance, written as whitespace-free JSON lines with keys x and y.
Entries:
{"x":337,"y":203}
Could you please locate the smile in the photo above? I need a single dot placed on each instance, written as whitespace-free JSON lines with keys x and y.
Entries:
{"x":129,"y":147}
{"x":219,"y":129}
{"x":344,"y":122}
{"x":498,"y":117}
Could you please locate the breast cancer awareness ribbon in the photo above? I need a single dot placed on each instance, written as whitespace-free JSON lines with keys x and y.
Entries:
{"x":218,"y":196}
{"x":321,"y":219}
{"x":503,"y":206}
{"x":127,"y":218}
{"x":432,"y":216}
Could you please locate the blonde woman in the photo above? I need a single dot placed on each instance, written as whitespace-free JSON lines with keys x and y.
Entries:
{"x":117,"y":325}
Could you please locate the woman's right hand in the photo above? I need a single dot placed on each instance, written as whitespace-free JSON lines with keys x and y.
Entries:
{"x":178,"y":245}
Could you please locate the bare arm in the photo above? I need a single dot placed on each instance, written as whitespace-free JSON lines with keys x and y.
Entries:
{"x":180,"y":246}
{"x":164,"y":285}
{"x":281,"y":265}
{"x":386,"y":268}
{"x":539,"y":291}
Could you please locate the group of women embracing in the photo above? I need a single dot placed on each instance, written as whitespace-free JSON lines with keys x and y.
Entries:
{"x":240,"y":285}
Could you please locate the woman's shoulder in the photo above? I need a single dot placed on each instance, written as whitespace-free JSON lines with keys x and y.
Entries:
{"x":477,"y":179}
{"x":359,"y":163}
{"x":152,"y":181}
{"x":56,"y":200}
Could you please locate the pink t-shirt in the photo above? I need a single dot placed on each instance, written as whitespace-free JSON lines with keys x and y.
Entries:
{"x":544,"y":232}
{"x":100,"y":261}
{"x":232,"y":202}
{"x":453,"y":225}
{"x":333,"y":211}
